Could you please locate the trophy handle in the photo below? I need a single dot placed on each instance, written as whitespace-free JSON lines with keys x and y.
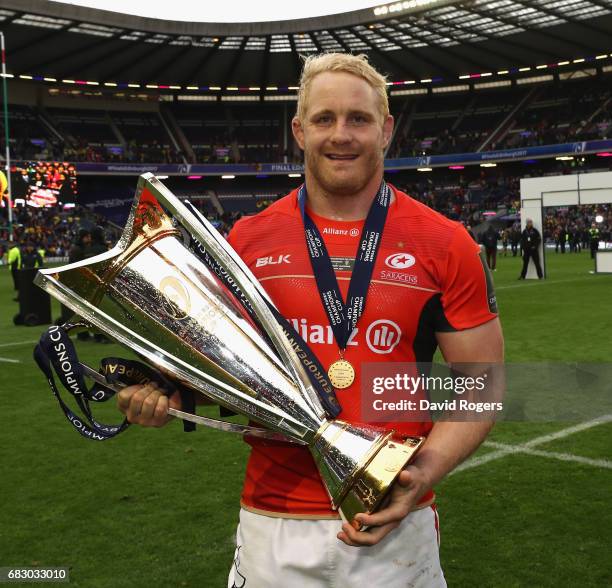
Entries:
{"x":218,"y":424}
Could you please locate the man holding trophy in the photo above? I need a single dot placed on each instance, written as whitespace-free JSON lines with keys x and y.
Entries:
{"x":347,"y":244}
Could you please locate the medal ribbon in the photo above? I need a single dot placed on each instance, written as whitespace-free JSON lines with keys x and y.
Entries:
{"x":55,"y":352}
{"x":343,"y":317}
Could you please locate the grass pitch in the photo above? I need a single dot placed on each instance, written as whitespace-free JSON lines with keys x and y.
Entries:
{"x":159,"y":507}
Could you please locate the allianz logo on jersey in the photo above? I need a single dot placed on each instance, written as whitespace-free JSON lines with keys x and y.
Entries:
{"x":273,"y":260}
{"x":354,"y":232}
{"x":381,"y":336}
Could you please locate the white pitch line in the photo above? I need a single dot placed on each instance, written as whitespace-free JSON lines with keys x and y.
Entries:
{"x":600,"y":463}
{"x":530,"y":283}
{"x":600,"y":420}
{"x":7,"y":360}
{"x":18,"y":343}
{"x":509,"y":449}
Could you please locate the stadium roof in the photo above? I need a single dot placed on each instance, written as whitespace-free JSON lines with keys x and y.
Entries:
{"x":410,"y":40}
{"x":231,"y":11}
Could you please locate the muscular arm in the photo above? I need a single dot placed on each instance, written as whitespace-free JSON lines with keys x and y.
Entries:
{"x":448,"y":444}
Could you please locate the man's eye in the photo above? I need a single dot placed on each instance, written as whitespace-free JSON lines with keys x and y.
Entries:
{"x":323,"y":119}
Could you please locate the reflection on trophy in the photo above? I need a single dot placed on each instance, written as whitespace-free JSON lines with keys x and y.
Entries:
{"x":174,"y":292}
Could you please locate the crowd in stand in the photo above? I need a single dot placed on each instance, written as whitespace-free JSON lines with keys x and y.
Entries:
{"x":538,"y":130}
{"x":571,"y":228}
{"x":134,"y":152}
{"x":417,"y":143}
{"x":51,"y":230}
{"x":468,"y":201}
{"x":587,"y":116}
{"x":84,"y":151}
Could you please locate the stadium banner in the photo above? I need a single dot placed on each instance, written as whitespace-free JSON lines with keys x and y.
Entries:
{"x":186,"y":169}
{"x":539,"y":152}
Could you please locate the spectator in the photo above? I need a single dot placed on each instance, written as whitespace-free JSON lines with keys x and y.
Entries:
{"x":30,"y":258}
{"x":530,"y":244}
{"x":489,"y":240}
{"x":14,"y":262}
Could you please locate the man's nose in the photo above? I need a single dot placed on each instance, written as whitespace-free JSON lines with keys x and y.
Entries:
{"x":341,"y":133}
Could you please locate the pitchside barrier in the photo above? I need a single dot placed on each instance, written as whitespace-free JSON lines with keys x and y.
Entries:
{"x":34,"y":303}
{"x":570,"y":190}
{"x":603,"y":262}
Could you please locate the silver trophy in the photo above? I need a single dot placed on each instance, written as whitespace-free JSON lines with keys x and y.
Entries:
{"x":182,"y":316}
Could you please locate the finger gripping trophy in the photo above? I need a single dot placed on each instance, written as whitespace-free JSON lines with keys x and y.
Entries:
{"x":175,"y":292}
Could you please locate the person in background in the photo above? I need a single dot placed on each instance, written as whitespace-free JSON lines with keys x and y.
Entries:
{"x":593,"y":239}
{"x":78,"y":250}
{"x":562,"y":237}
{"x":515,"y":239}
{"x":530,"y":244}
{"x":41,"y":251}
{"x":98,"y":242}
{"x":505,"y":238}
{"x":489,"y":240}
{"x":574,"y":239}
{"x":14,"y":263}
{"x":30,"y":258}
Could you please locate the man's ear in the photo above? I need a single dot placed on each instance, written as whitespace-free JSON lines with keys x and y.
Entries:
{"x":388,"y":130}
{"x":298,"y":131}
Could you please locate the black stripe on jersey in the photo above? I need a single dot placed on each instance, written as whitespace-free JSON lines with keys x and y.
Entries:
{"x":432,"y":320}
{"x":491,"y":298}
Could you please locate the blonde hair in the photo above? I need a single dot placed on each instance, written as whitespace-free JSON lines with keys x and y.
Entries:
{"x":356,"y":65}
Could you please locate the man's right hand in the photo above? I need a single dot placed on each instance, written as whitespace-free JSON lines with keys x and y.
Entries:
{"x":146,"y":404}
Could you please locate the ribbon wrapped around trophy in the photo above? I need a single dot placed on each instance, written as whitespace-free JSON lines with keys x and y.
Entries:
{"x":175,"y":293}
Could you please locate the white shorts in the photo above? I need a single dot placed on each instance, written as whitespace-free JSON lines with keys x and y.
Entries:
{"x":274,"y":552}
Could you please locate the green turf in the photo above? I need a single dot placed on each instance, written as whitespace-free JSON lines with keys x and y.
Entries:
{"x":159,"y":507}
{"x":596,"y":443}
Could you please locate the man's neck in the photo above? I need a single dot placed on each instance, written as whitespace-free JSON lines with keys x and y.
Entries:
{"x":341,"y":207}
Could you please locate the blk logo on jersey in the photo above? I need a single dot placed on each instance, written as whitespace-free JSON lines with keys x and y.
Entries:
{"x":400,"y":261}
{"x":262,"y":261}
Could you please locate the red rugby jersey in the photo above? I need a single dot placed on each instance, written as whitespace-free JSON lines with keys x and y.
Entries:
{"x":428,"y":277}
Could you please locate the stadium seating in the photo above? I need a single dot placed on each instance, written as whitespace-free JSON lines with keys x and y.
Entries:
{"x":239,"y":132}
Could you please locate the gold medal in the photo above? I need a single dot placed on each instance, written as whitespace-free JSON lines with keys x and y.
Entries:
{"x":341,"y":374}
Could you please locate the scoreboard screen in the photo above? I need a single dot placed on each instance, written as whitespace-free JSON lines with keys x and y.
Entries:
{"x":44,"y":183}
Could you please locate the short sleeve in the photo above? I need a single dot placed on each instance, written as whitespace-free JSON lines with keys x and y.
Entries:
{"x":234,"y":237}
{"x":468,"y":296}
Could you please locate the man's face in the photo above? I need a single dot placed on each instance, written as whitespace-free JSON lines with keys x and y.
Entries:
{"x":343,"y":135}
{"x":529,"y":224}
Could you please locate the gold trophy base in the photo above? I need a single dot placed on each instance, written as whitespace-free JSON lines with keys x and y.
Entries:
{"x":374,"y":481}
{"x":359,"y":465}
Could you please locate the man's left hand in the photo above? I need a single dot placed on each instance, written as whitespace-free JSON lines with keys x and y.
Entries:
{"x":410,"y":485}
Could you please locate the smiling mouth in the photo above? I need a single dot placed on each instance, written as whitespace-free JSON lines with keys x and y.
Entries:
{"x":340,"y":157}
